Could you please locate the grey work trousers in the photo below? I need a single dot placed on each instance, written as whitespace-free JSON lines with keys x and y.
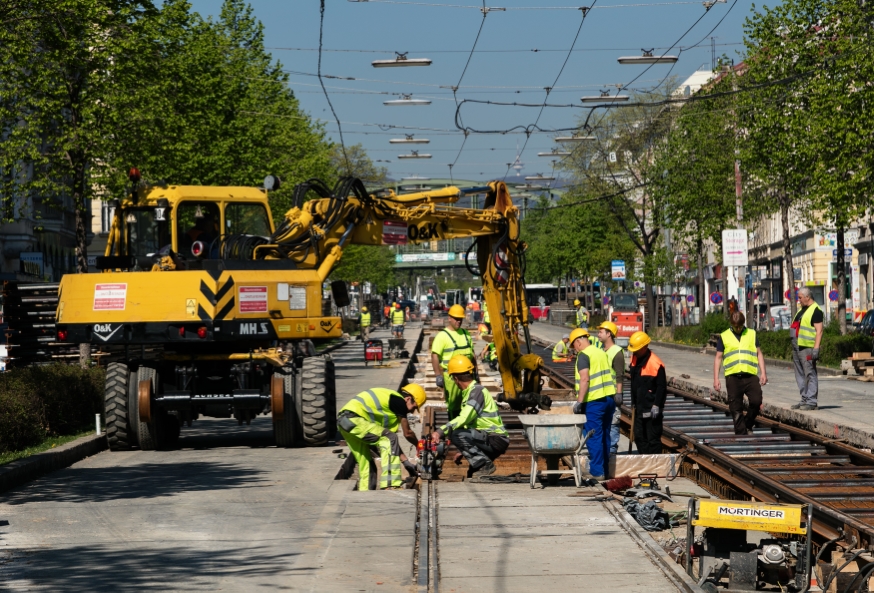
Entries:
{"x":805,"y":375}
{"x":479,"y":447}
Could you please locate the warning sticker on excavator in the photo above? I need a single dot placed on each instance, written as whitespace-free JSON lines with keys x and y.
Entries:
{"x":731,"y":514}
{"x":110,"y":297}
{"x":191,"y":307}
{"x":394,"y":232}
{"x":253,"y":299}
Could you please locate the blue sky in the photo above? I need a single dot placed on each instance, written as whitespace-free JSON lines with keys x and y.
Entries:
{"x":503,"y":67}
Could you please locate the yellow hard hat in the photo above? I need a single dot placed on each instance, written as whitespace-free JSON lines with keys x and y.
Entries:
{"x":460,"y":364}
{"x":637,"y":341}
{"x":456,"y":311}
{"x":576,"y":302}
{"x":417,"y":392}
{"x":610,"y":327}
{"x":394,"y":304}
{"x":578,"y":333}
{"x":364,"y":309}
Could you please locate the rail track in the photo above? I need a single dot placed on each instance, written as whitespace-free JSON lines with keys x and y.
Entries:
{"x":777,"y":463}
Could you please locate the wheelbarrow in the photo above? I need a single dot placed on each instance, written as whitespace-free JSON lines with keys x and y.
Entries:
{"x":558,"y":435}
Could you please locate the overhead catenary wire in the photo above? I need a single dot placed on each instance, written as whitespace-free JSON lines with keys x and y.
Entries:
{"x":328,"y":98}
{"x":482,"y":51}
{"x":470,"y":6}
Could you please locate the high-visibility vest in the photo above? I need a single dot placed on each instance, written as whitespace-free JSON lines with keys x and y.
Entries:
{"x":807,"y":333}
{"x":612,"y":351}
{"x":488,"y":419}
{"x":596,"y":342}
{"x":560,"y":350}
{"x":373,"y":405}
{"x":740,"y":355}
{"x":365,"y":320}
{"x":492,"y":354}
{"x":486,"y":318}
{"x":601,"y":383}
{"x":397,"y":317}
{"x":465,"y":347}
{"x":582,"y":316}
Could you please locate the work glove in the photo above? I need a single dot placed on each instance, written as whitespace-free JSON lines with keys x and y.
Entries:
{"x":440,"y":381}
{"x":411,"y":469}
{"x":579,"y":408}
{"x":617,"y":399}
{"x":655,"y":412}
{"x":814,"y":356}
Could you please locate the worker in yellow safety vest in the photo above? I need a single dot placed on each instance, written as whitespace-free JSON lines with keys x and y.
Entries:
{"x":487,"y":320}
{"x":397,"y":321}
{"x":490,"y":355}
{"x":448,"y":342}
{"x":365,"y":323}
{"x":593,"y":381}
{"x":582,"y":315}
{"x":738,"y":350}
{"x":561,"y":352}
{"x":372,"y":419}
{"x":806,"y":334}
{"x":477,"y":431}
{"x":616,"y":357}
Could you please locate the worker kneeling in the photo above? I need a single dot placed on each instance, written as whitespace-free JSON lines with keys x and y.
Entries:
{"x":478,"y":431}
{"x":372,"y":418}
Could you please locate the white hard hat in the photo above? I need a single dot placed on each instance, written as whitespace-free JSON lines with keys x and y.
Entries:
{"x":566,"y":337}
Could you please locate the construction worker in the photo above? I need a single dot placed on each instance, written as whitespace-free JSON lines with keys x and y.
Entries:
{"x":738,"y":347}
{"x":372,"y":418}
{"x":582,"y":315}
{"x":397,"y":321}
{"x":477,"y":431}
{"x":593,"y":381}
{"x":364,"y":320}
{"x":649,"y":390}
{"x":607,"y":333}
{"x":447,"y":343}
{"x":806,"y":334}
{"x":487,"y":321}
{"x":490,"y":355}
{"x":560,"y":352}
{"x":386,"y":315}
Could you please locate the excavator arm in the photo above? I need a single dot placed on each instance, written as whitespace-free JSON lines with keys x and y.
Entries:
{"x":314,"y":232}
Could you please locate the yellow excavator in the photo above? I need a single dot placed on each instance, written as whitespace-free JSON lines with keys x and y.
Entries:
{"x":234,"y":305}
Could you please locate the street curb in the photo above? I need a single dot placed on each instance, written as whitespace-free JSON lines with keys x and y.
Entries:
{"x":22,"y":471}
{"x":775,"y":362}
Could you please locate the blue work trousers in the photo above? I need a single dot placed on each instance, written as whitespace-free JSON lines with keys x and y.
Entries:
{"x":599,"y":416}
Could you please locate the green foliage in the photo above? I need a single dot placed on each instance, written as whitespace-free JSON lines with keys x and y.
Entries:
{"x":699,"y":335}
{"x":362,"y":167}
{"x":39,"y":402}
{"x":367,"y":263}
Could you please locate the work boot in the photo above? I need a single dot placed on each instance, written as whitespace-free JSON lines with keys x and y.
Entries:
{"x":807,"y":407}
{"x":485,"y":470}
{"x":796,"y":406}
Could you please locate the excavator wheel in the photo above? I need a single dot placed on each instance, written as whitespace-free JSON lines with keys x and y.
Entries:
{"x":115,"y":408}
{"x":318,"y":400}
{"x":162,"y":429}
{"x":286,"y":426}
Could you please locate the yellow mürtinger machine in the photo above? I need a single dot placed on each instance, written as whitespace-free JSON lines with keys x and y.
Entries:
{"x":234,"y":305}
{"x":723,"y":546}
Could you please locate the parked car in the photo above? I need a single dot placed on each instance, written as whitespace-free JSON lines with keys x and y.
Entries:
{"x":781,"y":317}
{"x":866,"y":325}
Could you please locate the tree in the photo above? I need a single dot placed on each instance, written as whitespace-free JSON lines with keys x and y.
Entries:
{"x":374,"y":177}
{"x":367,"y":263}
{"x":619,"y":164}
{"x":696,"y":185}
{"x":56,"y":81}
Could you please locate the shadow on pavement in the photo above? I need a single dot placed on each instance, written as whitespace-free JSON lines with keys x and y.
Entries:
{"x":144,"y":480}
{"x":176,"y":568}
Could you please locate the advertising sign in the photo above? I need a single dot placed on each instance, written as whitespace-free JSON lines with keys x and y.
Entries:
{"x":734,"y":247}
{"x":617,"y":269}
{"x":417,"y":257}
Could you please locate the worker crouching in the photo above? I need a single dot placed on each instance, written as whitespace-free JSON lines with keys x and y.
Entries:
{"x":372,"y":418}
{"x":478,"y":431}
{"x":649,"y":391}
{"x":595,"y":389}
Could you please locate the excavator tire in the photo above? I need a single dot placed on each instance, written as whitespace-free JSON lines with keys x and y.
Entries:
{"x":163,"y":430}
{"x":287,"y":430}
{"x":318,"y":400}
{"x":115,"y":408}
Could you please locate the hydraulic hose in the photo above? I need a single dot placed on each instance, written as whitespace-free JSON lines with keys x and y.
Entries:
{"x":832,"y":576}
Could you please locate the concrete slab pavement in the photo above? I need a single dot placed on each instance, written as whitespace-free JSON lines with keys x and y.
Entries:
{"x":845,"y":406}
{"x":225,"y":512}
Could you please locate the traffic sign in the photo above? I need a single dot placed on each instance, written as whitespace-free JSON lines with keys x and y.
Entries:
{"x":617,"y":269}
{"x":833,"y":295}
{"x":690,"y":298}
{"x":786,"y":294}
{"x":734,"y":247}
{"x":715,"y":298}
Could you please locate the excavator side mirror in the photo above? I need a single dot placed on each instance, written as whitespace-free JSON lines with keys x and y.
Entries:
{"x":340,"y":294}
